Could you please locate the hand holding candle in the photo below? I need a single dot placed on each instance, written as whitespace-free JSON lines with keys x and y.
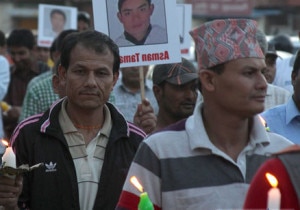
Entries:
{"x":274,"y":195}
{"x":145,"y":202}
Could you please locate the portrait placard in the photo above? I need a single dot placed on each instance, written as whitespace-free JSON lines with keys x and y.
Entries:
{"x":145,"y":33}
{"x":52,"y":20}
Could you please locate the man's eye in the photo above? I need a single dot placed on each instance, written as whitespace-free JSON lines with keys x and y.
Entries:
{"x":126,"y":13}
{"x":79,"y":71}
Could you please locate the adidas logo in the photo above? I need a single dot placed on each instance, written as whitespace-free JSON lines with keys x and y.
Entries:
{"x":50,"y":167}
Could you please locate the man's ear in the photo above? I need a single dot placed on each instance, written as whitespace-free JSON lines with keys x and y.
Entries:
{"x":119,"y":17}
{"x":151,"y":7}
{"x":115,"y":78}
{"x":157,"y":90}
{"x":293,"y":77}
{"x":207,"y":78}
{"x":62,"y":73}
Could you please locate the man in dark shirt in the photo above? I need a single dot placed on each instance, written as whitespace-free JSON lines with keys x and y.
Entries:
{"x":20,"y":45}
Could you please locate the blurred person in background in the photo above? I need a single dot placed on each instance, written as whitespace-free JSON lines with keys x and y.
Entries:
{"x":40,"y":93}
{"x":83,"y":21}
{"x":285,"y":119}
{"x":271,"y":57}
{"x":275,"y":95}
{"x":284,"y":167}
{"x":283,"y":42}
{"x":43,"y":54}
{"x":284,"y":47}
{"x":127,"y":98}
{"x":4,"y":82}
{"x":20,"y":45}
{"x":175,"y":87}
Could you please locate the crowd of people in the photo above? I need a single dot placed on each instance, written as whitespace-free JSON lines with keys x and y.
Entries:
{"x":203,"y":137}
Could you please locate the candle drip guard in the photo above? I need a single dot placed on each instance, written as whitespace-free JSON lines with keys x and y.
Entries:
{"x":20,"y":170}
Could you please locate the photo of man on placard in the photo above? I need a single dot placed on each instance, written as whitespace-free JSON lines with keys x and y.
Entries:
{"x":135,"y":16}
{"x":58,"y":20}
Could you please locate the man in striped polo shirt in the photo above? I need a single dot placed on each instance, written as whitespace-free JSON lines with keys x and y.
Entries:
{"x":208,"y":160}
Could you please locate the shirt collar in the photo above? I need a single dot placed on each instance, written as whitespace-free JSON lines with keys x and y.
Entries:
{"x":291,"y":111}
{"x":134,"y":40}
{"x":68,"y":127}
{"x":196,"y":130}
{"x":148,"y":85}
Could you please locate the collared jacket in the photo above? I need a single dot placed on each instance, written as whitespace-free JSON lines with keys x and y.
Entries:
{"x":39,"y":139}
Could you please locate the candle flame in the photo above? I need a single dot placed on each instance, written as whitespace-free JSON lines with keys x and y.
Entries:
{"x":136,"y":183}
{"x":272,"y":180}
{"x":5,"y":142}
{"x":262,"y":121}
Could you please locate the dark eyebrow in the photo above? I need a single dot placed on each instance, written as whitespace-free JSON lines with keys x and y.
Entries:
{"x":127,"y":10}
{"x":143,"y":5}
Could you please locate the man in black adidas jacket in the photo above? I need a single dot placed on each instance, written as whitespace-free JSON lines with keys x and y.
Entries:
{"x":84,"y":142}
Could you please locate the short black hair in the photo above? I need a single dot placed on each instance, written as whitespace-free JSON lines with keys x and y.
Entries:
{"x":121,"y":2}
{"x":21,"y":38}
{"x":84,"y":16}
{"x":58,"y":11}
{"x":262,"y":40}
{"x":2,"y":39}
{"x":56,"y":44}
{"x":296,"y":66}
{"x":282,"y":42}
{"x":59,"y":39}
{"x":90,"y":39}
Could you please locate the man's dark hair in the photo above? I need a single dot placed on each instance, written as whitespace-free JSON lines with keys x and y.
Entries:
{"x":56,"y":44}
{"x":58,"y":11}
{"x":2,"y":39}
{"x":91,"y":39}
{"x":59,"y":39}
{"x":283,"y":42}
{"x":262,"y":40}
{"x":85,"y":17}
{"x":296,"y":66}
{"x":121,"y":2}
{"x":21,"y":38}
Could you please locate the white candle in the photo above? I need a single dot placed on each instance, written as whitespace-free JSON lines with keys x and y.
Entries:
{"x":274,"y":195}
{"x":9,"y":158}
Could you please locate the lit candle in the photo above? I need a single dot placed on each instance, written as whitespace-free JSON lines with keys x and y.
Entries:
{"x":274,"y":195}
{"x":264,"y":123}
{"x":145,"y":202}
{"x":8,"y":158}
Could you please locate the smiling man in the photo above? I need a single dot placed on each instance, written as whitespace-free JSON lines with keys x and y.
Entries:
{"x":135,"y":16}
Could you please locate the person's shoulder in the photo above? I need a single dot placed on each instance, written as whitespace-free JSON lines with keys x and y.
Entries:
{"x":158,"y":30}
{"x":3,"y":60}
{"x":43,"y":67}
{"x":290,"y":149}
{"x":37,"y":80}
{"x":274,"y":111}
{"x":27,"y":123}
{"x":158,"y":27}
{"x":175,"y":129}
{"x":277,"y":142}
{"x":121,"y":41}
{"x":274,"y":89}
